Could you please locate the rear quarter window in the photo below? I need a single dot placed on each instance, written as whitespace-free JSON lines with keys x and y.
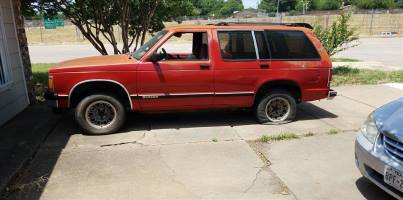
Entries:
{"x":291,"y":45}
{"x":237,"y":45}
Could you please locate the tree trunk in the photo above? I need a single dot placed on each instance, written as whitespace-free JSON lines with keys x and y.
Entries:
{"x":22,"y":40}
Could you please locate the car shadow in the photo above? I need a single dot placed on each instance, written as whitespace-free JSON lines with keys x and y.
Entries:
{"x":211,"y":118}
{"x":370,"y":191}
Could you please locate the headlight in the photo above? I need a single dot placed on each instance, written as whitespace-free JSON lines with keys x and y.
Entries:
{"x":369,"y":129}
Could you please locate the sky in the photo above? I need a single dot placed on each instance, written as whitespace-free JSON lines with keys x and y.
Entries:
{"x":250,"y":3}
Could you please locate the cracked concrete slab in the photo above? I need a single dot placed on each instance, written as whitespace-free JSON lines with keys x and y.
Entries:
{"x":189,"y":135}
{"x":211,"y":170}
{"x":321,"y":168}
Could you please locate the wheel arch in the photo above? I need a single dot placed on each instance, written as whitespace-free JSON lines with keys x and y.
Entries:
{"x":284,"y":84}
{"x":84,"y":88}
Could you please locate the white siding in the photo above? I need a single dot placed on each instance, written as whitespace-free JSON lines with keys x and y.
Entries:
{"x":13,"y":99}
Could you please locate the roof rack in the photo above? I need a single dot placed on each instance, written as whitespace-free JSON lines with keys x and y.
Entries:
{"x":305,"y":25}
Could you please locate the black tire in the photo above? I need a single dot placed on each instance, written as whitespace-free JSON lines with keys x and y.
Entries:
{"x":91,"y":106}
{"x":276,"y":98}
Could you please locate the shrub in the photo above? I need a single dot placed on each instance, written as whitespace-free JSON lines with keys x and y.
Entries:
{"x":336,"y":37}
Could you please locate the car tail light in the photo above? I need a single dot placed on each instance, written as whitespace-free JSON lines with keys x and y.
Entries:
{"x":329,"y":77}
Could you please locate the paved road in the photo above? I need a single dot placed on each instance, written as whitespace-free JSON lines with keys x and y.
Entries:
{"x":206,"y":155}
{"x":378,"y":51}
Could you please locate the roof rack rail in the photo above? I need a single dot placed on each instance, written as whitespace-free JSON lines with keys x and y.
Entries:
{"x":305,"y":25}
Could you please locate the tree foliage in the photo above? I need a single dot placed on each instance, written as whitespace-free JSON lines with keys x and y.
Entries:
{"x":337,"y":37}
{"x":326,"y":4}
{"x":268,"y":5}
{"x":216,"y":7}
{"x":373,"y":4}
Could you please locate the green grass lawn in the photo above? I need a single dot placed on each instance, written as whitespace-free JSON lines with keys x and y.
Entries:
{"x":40,"y":79}
{"x":341,"y":76}
{"x":344,"y":60}
{"x":352,"y":76}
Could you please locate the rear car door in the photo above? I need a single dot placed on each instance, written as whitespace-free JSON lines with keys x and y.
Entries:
{"x":241,"y":63}
{"x":182,"y":79}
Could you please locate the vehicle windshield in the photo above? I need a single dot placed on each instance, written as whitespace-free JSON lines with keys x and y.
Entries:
{"x":148,"y":45}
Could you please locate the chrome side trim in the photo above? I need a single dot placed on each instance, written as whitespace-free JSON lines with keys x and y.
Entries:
{"x":100,"y":80}
{"x":223,"y":93}
{"x":190,"y":95}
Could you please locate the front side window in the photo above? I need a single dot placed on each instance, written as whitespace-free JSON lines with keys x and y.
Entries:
{"x":237,"y":45}
{"x":291,"y":45}
{"x":183,"y":46}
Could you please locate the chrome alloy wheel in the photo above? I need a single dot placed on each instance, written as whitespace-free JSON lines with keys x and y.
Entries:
{"x":100,"y":114}
{"x":277,"y":109}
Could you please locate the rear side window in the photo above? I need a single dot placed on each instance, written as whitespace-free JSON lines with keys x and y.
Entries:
{"x":262,"y":45}
{"x":291,"y":45}
{"x":237,"y":45}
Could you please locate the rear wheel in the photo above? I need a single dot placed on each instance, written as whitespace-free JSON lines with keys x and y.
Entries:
{"x":100,"y":114}
{"x":277,"y":107}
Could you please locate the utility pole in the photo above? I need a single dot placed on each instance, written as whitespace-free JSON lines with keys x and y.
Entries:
{"x":278,"y":5}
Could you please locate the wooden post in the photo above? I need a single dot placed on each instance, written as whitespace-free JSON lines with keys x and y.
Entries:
{"x":371,"y":23}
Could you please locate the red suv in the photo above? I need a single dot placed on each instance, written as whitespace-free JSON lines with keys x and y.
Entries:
{"x":267,"y":67}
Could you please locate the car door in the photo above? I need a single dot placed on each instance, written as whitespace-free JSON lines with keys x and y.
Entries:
{"x":241,"y":63}
{"x":182,"y":78}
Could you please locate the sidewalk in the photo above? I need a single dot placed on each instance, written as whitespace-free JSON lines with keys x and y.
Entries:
{"x":21,"y":137}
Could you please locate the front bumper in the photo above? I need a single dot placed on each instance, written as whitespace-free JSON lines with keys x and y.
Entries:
{"x":53,"y":99}
{"x":371,"y":162}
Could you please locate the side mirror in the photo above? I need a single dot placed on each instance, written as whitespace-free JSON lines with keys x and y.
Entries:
{"x":154,"y":58}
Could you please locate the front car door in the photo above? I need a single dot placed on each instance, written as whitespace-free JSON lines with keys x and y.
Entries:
{"x":182,"y":78}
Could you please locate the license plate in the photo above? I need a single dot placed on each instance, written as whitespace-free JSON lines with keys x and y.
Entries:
{"x":393,"y":178}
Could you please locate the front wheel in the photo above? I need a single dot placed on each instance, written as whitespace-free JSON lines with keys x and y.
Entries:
{"x":277,"y":107}
{"x":100,"y":114}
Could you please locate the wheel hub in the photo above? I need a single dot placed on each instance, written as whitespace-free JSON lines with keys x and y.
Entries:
{"x":277,"y":109}
{"x":100,"y":114}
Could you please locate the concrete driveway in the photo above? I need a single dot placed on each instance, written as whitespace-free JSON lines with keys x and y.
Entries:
{"x":209,"y":155}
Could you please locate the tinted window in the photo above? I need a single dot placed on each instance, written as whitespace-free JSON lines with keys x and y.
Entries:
{"x":237,"y":45}
{"x":262,"y":45}
{"x":290,"y":45}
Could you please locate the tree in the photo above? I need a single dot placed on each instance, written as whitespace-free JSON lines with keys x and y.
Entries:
{"x":216,"y":7}
{"x":337,"y":37}
{"x":303,"y":5}
{"x":230,"y":6}
{"x":373,"y":4}
{"x":97,"y":19}
{"x":270,"y":6}
{"x":210,"y":7}
{"x":326,"y":4}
